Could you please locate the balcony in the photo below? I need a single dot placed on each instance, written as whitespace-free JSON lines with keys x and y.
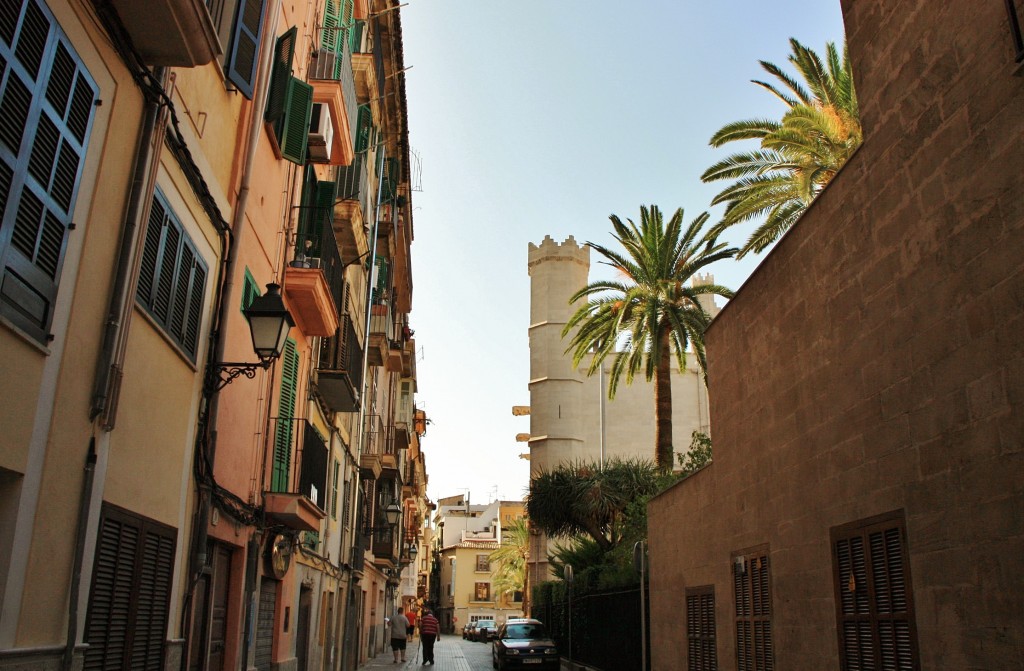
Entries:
{"x":349,"y":224}
{"x":174,"y":33}
{"x":372,"y":454}
{"x":313,"y":281}
{"x":297,"y":496}
{"x":339,"y":377}
{"x":330,"y":75}
{"x":384,"y":546}
{"x":409,"y":358}
{"x":389,"y":455}
{"x":381,"y":328}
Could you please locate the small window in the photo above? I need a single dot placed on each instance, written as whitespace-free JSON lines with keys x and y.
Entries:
{"x":172,"y":278}
{"x":753,"y":601}
{"x":250,"y":290}
{"x":700,"y":629}
{"x":482,"y":591}
{"x":483,"y":563}
{"x":874,"y":600}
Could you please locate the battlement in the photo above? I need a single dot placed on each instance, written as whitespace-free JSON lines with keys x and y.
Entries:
{"x":549,"y":250}
{"x":703,"y":278}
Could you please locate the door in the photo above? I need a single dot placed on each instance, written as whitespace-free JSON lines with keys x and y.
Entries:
{"x":329,"y":626}
{"x":302,"y":628}
{"x":219,"y":607}
{"x":265,"y":624}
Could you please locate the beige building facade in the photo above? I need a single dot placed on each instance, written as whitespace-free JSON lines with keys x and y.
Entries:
{"x":571,"y":417}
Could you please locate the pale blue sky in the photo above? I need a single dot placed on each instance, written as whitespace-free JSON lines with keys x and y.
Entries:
{"x":537,"y":118}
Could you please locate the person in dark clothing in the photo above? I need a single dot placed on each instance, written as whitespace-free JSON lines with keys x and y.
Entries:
{"x":429,"y":630}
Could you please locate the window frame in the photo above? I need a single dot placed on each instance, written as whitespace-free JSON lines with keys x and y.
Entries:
{"x":863,"y":529}
{"x":158,"y":247}
{"x":698,"y":639}
{"x":486,"y":560}
{"x":759,"y":655}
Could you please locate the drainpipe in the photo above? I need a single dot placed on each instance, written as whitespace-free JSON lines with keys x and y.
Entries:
{"x":147,"y":158}
{"x":84,"y":507}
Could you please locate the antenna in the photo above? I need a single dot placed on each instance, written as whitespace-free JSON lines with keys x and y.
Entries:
{"x":415,"y":170}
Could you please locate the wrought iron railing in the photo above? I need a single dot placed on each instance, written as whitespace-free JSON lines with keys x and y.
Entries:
{"x":352,"y":179}
{"x":316,"y":246}
{"x":373,"y":434}
{"x":299,"y":460}
{"x":340,"y":367}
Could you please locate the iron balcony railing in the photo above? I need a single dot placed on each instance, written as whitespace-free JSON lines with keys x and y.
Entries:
{"x":316,"y":246}
{"x":340,"y":368}
{"x":334,"y":61}
{"x":373,"y":434}
{"x":352,"y":179}
{"x":300,"y":460}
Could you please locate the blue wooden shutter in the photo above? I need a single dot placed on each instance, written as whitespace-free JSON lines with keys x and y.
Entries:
{"x":245,"y":45}
{"x":285,"y":416}
{"x":46,"y":112}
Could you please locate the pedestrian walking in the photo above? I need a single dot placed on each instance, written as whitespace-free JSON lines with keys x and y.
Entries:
{"x":429,"y":629}
{"x":399,"y":634}
{"x":411,"y":616}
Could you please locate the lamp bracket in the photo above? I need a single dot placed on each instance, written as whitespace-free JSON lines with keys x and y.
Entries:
{"x":220,"y":375}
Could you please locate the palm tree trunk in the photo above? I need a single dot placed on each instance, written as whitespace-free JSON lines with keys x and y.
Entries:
{"x":663,"y":405}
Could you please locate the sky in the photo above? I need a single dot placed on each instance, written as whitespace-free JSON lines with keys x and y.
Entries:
{"x":544,"y":117}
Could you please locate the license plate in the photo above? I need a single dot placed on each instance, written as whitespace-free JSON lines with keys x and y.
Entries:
{"x":532,"y":661}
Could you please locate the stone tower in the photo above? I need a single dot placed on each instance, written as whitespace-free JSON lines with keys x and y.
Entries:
{"x":571,"y":418}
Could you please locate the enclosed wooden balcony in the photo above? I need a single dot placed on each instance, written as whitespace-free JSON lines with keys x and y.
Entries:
{"x":177,"y":33}
{"x":339,"y":374}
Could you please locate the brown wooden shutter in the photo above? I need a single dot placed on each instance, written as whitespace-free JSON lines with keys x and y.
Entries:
{"x":874,"y":604}
{"x":702,"y":653}
{"x":128,"y":605}
{"x":753,"y":602}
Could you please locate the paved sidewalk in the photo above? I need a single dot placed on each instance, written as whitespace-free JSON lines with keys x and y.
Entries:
{"x":448,"y":656}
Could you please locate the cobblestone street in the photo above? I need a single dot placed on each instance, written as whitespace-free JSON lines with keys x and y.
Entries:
{"x":451,"y":653}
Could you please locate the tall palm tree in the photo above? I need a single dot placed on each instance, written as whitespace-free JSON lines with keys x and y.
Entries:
{"x":653,"y":313}
{"x":799,"y":155}
{"x":512,"y":572}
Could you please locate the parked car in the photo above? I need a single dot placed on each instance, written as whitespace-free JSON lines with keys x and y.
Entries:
{"x":485,"y":630}
{"x":466,"y":628}
{"x":524,"y":644}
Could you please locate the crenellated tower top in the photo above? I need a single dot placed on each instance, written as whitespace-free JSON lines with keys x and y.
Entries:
{"x":549,"y":250}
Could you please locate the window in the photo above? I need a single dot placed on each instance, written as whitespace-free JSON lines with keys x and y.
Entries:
{"x":483,"y":563}
{"x":285,"y":418}
{"x":336,"y":474}
{"x":246,"y":33}
{"x":753,"y":599}
{"x":130,"y":595}
{"x":46,"y":112}
{"x":250,"y":290}
{"x":289,"y":103}
{"x":346,"y":513}
{"x":172,"y":278}
{"x":874,"y":601}
{"x":700,"y":629}
{"x":482,"y":591}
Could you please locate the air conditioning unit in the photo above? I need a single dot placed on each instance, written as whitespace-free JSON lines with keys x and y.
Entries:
{"x":321,"y":134}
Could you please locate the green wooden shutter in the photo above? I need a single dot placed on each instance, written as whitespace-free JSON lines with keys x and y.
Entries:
{"x":347,"y":13}
{"x":326,"y":194}
{"x":250,"y":290}
{"x":355,"y":36}
{"x":364,"y":128}
{"x":382,"y":277}
{"x":284,"y":51}
{"x":295,"y":128}
{"x":331,"y":36}
{"x":335,"y":486}
{"x":285,"y":414}
{"x":245,"y":46}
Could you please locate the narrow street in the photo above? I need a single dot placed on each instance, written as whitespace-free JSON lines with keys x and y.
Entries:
{"x":451,"y":653}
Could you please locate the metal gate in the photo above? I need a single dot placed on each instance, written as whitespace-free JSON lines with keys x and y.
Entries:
{"x":265,"y":624}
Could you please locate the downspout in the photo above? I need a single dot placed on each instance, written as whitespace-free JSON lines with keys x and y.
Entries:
{"x":84,"y":506}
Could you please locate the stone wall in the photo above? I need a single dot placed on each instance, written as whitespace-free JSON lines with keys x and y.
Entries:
{"x":875,"y":363}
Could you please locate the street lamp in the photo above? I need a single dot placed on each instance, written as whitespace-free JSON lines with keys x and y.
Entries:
{"x":269,"y":325}
{"x":413,"y":550}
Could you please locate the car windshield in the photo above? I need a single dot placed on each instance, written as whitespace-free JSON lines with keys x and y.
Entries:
{"x":485,"y":623}
{"x":526,"y":630}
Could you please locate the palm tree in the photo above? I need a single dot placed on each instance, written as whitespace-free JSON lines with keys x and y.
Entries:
{"x":799,"y":155}
{"x":512,"y":572}
{"x":653,"y":313}
{"x":585,"y":499}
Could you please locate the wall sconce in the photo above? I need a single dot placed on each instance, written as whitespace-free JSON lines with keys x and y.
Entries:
{"x":269,"y":325}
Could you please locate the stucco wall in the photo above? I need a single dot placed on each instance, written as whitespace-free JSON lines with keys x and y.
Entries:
{"x":874,"y":362}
